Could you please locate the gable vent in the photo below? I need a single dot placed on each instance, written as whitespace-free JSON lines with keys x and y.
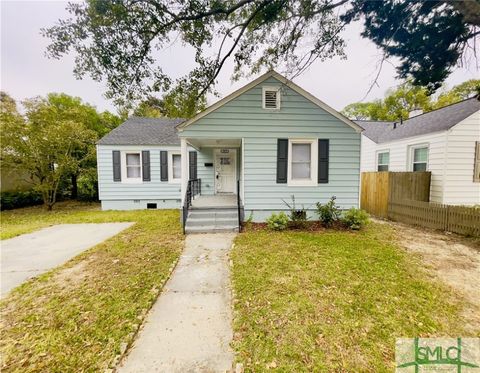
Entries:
{"x":271,"y":98}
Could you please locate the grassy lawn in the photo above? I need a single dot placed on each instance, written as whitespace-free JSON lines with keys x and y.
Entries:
{"x":332,"y":301}
{"x":75,"y":317}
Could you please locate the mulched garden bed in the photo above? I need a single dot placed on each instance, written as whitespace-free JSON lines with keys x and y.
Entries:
{"x":309,"y":226}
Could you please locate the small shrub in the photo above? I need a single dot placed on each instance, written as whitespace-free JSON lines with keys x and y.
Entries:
{"x":278,"y":222}
{"x":329,"y":212}
{"x":355,"y":218}
{"x":298,"y":216}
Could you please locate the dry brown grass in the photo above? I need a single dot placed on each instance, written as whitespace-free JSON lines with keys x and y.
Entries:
{"x":74,"y":318}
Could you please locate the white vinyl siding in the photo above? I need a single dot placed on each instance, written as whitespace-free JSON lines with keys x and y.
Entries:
{"x":400,"y":160}
{"x":460,"y":189}
{"x":451,"y":158}
{"x":368,"y":156}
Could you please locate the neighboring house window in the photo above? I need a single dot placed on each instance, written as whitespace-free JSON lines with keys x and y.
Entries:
{"x":175,"y":167}
{"x":476,"y":164}
{"x":383,"y":160}
{"x":419,"y":158}
{"x":303,"y":162}
{"x":132,"y":167}
{"x":271,"y":98}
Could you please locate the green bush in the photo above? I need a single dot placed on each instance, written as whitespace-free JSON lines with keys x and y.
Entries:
{"x":355,"y":218}
{"x":278,"y":222}
{"x":87,"y":186}
{"x":329,"y":212}
{"x":14,"y":200}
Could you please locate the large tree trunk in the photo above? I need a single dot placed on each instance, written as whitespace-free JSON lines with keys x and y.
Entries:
{"x":74,"y":193}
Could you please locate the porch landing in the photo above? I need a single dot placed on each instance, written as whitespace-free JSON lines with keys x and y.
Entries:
{"x":214,"y":202}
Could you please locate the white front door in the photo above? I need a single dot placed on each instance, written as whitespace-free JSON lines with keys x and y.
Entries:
{"x":225,"y":170}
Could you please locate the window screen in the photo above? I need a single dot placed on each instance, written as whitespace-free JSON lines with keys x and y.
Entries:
{"x":133,"y":165}
{"x":420,"y":159}
{"x":176,"y":166}
{"x":383,"y":160}
{"x":301,"y":161}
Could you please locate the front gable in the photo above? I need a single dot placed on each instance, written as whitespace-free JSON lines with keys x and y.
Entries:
{"x":247,"y":106}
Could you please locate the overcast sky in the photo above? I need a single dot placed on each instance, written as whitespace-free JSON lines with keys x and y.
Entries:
{"x":26,"y":72}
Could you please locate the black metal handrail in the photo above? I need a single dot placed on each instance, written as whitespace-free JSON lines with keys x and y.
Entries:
{"x":194,"y":187}
{"x":239,"y":207}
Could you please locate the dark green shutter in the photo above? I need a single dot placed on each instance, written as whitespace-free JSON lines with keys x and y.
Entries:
{"x":163,"y":165}
{"x":146,"y":165}
{"x":192,"y":164}
{"x":323,"y":154}
{"x":117,"y":168}
{"x":282,"y":161}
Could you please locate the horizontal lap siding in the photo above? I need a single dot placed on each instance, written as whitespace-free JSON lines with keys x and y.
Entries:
{"x":244,"y":118}
{"x":368,"y":151}
{"x":206,"y":174}
{"x":459,"y":187}
{"x":148,"y":190}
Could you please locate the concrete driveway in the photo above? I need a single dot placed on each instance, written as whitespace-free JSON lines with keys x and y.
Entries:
{"x":32,"y":254}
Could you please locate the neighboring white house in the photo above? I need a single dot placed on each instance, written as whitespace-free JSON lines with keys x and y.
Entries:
{"x":444,"y":141}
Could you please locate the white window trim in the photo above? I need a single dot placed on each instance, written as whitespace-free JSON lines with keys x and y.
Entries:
{"x":171,"y":180}
{"x":313,"y":163}
{"x":130,"y":180}
{"x":277,"y":89}
{"x":410,"y":157}
{"x":476,"y":162}
{"x":376,"y":158}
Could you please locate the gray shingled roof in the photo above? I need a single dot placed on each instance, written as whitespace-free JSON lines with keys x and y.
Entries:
{"x":433,"y":121}
{"x":144,"y":131}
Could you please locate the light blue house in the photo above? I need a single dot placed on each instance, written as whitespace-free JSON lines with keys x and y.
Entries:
{"x":244,"y":155}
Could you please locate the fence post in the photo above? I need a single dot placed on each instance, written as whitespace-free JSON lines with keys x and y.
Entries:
{"x":447,"y":215}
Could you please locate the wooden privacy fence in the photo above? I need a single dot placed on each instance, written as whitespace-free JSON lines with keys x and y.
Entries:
{"x":458,"y":219}
{"x":379,"y":188}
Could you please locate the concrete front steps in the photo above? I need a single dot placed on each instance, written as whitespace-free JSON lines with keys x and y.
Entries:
{"x":212,"y":220}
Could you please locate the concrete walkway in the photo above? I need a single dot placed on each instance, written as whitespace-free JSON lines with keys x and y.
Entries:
{"x":189,"y":327}
{"x":32,"y":254}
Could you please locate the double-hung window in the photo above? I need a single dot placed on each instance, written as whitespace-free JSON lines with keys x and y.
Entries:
{"x":419,"y":158}
{"x":132,"y":167}
{"x":175,"y":167}
{"x":383,"y":160}
{"x":303,"y":161}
